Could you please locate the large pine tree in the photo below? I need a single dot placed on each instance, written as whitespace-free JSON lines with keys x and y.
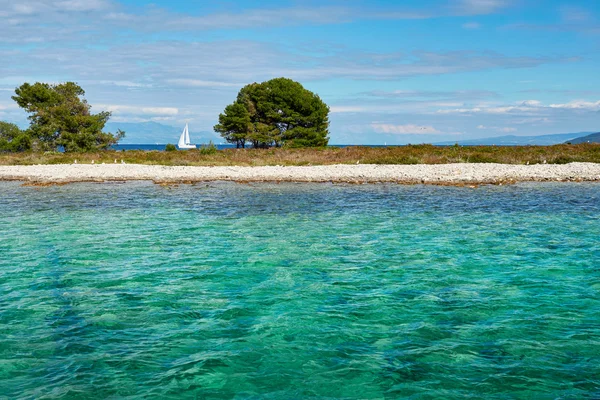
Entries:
{"x":275,"y":113}
{"x":61,"y":117}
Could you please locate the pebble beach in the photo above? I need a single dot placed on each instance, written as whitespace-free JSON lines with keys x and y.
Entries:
{"x":453,"y":174}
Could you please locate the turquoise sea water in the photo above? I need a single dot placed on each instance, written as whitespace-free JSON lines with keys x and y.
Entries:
{"x":296,"y":291}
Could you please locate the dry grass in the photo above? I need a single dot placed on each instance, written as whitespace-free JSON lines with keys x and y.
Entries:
{"x":411,"y":154}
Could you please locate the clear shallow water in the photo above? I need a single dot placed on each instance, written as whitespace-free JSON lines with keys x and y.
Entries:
{"x":299,"y":291}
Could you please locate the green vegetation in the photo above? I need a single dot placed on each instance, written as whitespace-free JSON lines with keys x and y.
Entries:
{"x":170,"y":147}
{"x":412,"y":154}
{"x":59,"y":118}
{"x":13,"y":139}
{"x":275,"y":113}
{"x":208,"y":149}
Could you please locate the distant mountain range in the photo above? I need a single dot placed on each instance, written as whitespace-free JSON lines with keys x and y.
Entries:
{"x":593,"y":138}
{"x":154,"y":132}
{"x":512,"y":140}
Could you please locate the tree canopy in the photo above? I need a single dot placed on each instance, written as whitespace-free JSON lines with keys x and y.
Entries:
{"x":60,"y":117}
{"x":275,"y":113}
{"x":13,"y":139}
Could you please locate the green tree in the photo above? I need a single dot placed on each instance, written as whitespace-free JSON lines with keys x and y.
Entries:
{"x":275,"y":113}
{"x":60,"y":117}
{"x":13,"y":139}
{"x":234,"y":124}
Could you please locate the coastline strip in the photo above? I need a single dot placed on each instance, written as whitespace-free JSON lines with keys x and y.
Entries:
{"x":450,"y":174}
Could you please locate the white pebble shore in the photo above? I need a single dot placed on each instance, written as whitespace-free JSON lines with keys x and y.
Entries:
{"x":434,"y":174}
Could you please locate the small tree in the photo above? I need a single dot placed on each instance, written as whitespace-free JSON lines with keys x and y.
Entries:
{"x":60,"y":117}
{"x":275,"y":113}
{"x":13,"y":139}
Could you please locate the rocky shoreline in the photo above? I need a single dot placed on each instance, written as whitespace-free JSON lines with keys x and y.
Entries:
{"x":449,"y":174}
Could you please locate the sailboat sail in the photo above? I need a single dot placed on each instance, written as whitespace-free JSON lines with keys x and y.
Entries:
{"x":184,"y":139}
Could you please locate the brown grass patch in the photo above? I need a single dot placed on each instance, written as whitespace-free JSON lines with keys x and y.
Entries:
{"x":411,"y":154}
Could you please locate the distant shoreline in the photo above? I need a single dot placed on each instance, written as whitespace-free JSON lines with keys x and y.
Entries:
{"x":440,"y":174}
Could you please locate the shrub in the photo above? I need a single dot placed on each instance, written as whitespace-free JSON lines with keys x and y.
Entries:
{"x":170,"y":147}
{"x":207,"y":149}
{"x":563,"y":160}
{"x":480,"y":158}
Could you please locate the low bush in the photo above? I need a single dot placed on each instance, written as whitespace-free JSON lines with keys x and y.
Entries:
{"x":208,"y":149}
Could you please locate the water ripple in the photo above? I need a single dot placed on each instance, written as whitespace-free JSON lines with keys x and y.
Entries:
{"x":299,"y":291}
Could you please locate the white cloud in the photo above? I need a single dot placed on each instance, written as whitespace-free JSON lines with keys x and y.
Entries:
{"x":575,"y":15}
{"x":481,"y":7}
{"x":532,"y":103}
{"x":162,"y":119}
{"x":138,"y":110}
{"x":127,"y":84}
{"x":215,"y":63}
{"x":497,"y":128}
{"x":530,"y":107}
{"x":47,"y":7}
{"x":471,"y":25}
{"x":370,"y":107}
{"x":347,"y":109}
{"x":82,"y":5}
{"x":460,"y":111}
{"x":286,"y":16}
{"x":161,"y":19}
{"x":532,"y":121}
{"x":23,"y":8}
{"x":456,"y":94}
{"x":9,"y":106}
{"x":403,"y":129}
{"x":203,"y":83}
{"x":487,"y":110}
{"x":110,"y":17}
{"x":578,"y":105}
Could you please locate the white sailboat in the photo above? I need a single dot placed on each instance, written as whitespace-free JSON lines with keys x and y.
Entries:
{"x":184,"y":139}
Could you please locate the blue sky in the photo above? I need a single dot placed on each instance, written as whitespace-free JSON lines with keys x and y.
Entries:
{"x":391,"y":71}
